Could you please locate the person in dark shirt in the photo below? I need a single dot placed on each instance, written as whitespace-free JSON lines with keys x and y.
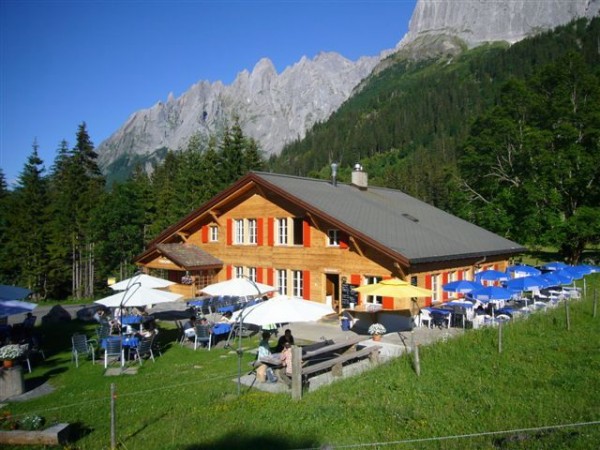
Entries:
{"x":286,"y":337}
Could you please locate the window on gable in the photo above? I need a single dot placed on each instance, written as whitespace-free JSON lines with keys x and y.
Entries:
{"x":252,"y":231}
{"x":333,"y":238}
{"x":282,"y":231}
{"x":214,"y":233}
{"x":239,"y":231}
{"x":298,"y":231}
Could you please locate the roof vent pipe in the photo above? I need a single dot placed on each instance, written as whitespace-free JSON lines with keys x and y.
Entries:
{"x":334,"y":168}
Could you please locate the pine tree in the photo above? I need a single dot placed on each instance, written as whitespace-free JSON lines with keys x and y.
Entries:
{"x":29,"y":224}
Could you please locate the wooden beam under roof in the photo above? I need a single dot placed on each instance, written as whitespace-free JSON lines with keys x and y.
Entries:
{"x":356,"y":245}
{"x":183,"y":235}
{"x":215,"y":216}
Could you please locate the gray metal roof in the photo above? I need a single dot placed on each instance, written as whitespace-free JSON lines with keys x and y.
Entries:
{"x":406,"y":225}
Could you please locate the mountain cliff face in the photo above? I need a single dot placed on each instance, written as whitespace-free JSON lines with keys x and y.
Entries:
{"x":272,"y":108}
{"x":478,"y":21}
{"x":275,"y":109}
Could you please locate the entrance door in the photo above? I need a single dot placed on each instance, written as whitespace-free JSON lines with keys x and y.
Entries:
{"x":332,"y":290}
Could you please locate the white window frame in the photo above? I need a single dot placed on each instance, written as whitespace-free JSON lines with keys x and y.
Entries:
{"x":282,"y":281}
{"x":238,"y":271}
{"x":466,"y":275}
{"x":298,"y":283}
{"x":238,"y":236}
{"x":452,"y":277}
{"x":435,"y":287}
{"x":333,"y":237}
{"x":252,"y":273}
{"x":252,"y":231}
{"x":373,"y":298}
{"x":214,"y":233}
{"x":282,"y":230}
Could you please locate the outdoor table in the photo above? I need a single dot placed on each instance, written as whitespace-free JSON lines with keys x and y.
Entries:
{"x":131,"y":320}
{"x":221,"y":328}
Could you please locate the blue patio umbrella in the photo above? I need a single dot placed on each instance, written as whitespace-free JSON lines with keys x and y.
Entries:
{"x":591,"y":269}
{"x":13,"y":307}
{"x":523,"y":270}
{"x":566,"y":275}
{"x":555,"y":265}
{"x":491,"y":275}
{"x":462,"y":286}
{"x":527,"y":283}
{"x":556,"y":278}
{"x":492,"y":293}
{"x":576,"y":272}
{"x":13,"y":292}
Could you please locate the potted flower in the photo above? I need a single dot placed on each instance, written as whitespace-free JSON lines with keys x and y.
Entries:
{"x":10,"y":352}
{"x":377,"y":330}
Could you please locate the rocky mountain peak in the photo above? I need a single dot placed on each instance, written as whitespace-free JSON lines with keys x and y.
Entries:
{"x":478,"y":21}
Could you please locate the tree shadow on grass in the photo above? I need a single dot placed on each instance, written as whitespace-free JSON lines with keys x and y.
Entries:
{"x":234,"y":441}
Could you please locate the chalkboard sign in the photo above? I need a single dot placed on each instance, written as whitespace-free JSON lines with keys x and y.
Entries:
{"x":348,"y":295}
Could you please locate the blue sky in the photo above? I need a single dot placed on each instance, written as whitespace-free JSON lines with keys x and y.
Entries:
{"x":99,"y":61}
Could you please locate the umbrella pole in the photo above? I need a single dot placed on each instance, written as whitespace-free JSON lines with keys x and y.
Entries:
{"x":240,"y":352}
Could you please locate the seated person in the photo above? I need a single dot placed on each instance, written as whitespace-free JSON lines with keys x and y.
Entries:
{"x":263,"y":372}
{"x":226,"y":317}
{"x":264,"y":349}
{"x":286,"y":361}
{"x":29,"y":321}
{"x":285,"y":338}
{"x":189,"y":328}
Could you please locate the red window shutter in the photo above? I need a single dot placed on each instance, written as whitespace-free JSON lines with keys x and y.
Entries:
{"x":259,"y":274}
{"x":229,"y":231}
{"x":355,"y":280}
{"x":387,"y":302}
{"x":270,"y":232}
{"x":428,"y":286}
{"x":343,"y":240}
{"x":306,"y":281}
{"x":306,"y":233}
{"x":259,"y":231}
{"x":205,"y":234}
{"x":229,"y":271}
{"x":270,"y":277}
{"x":460,"y":275}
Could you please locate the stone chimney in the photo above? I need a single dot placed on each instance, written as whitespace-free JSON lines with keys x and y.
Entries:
{"x":360,"y":179}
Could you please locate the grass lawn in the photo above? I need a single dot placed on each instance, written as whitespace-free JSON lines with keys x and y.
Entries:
{"x":545,"y":376}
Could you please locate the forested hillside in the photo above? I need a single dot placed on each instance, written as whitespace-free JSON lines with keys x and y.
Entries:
{"x":63,"y":232}
{"x":418,"y":126}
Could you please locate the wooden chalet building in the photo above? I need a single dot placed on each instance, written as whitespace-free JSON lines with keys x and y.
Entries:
{"x":317,"y":239}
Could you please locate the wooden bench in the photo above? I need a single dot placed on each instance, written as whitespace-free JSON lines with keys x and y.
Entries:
{"x":348,"y":345}
{"x":336,"y":363}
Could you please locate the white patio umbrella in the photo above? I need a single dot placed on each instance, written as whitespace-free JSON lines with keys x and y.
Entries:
{"x":138,"y":296}
{"x":144,"y":280}
{"x":238,"y":287}
{"x":283,"y":309}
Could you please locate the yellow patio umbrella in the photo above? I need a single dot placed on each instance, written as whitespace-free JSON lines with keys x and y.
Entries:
{"x":394,"y":287}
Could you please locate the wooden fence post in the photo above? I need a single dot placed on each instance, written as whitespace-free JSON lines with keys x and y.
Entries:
{"x":500,"y":336}
{"x":296,"y":373}
{"x":567,"y":315}
{"x":595,"y":310}
{"x":417,"y":361}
